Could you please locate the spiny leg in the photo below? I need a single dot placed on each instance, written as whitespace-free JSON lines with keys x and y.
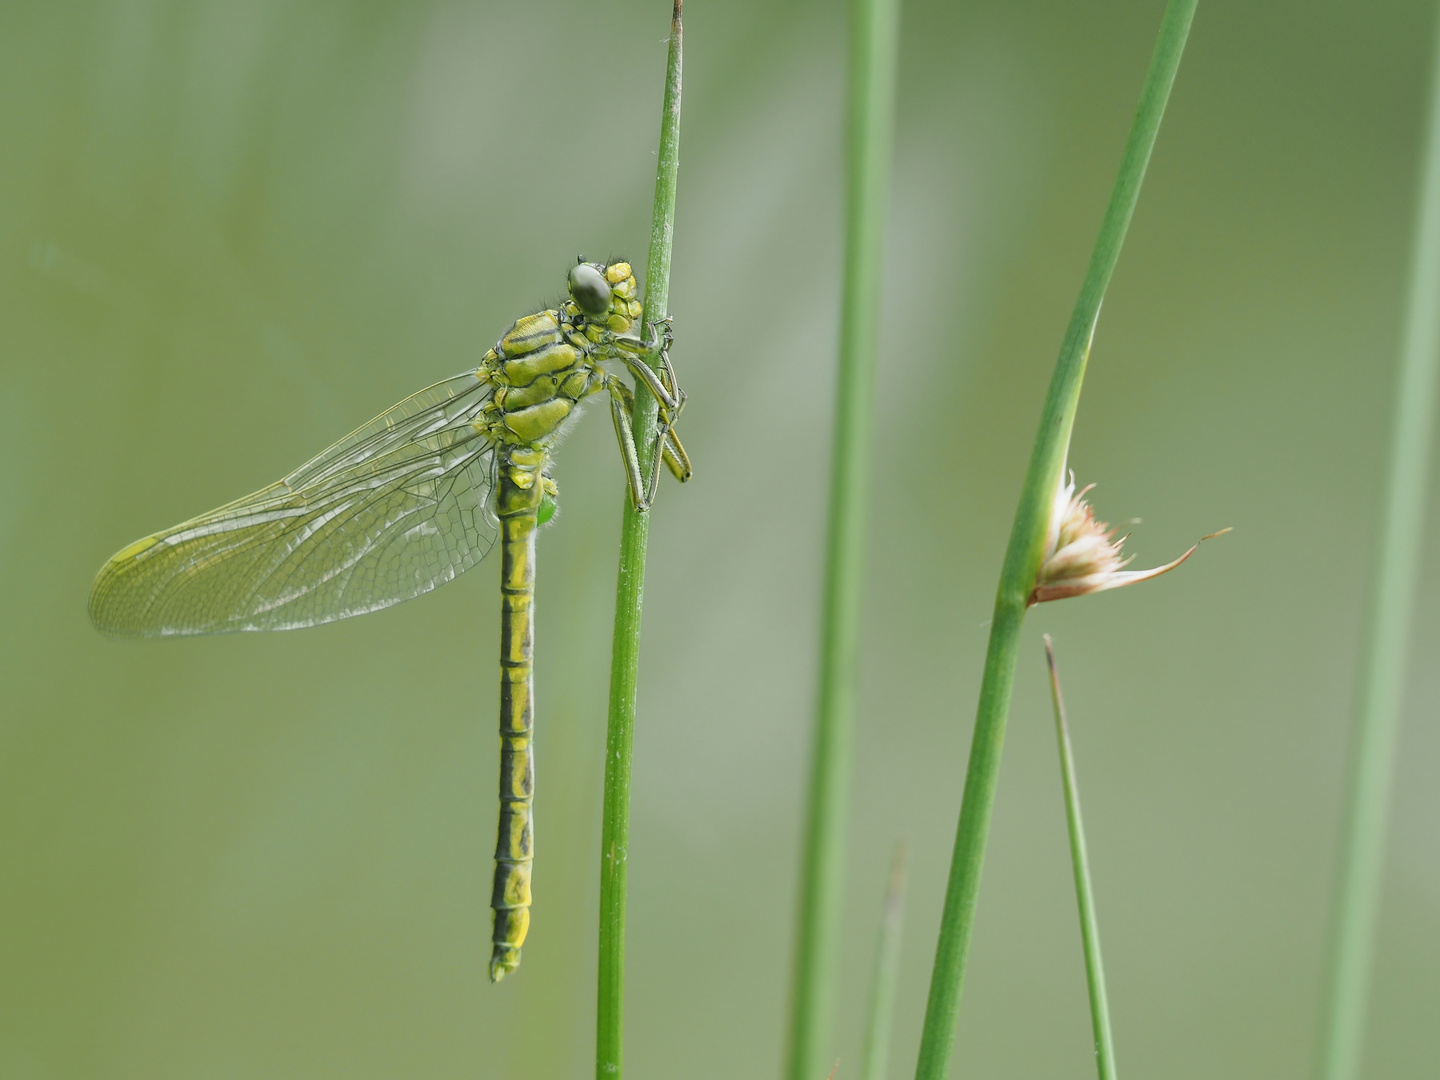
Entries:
{"x":666,"y":447}
{"x":676,"y":459}
{"x":667,"y":443}
{"x":656,"y":454}
{"x":665,"y":386}
{"x":670,"y":403}
{"x":622,"y":406}
{"x":636,"y":353}
{"x":667,"y":374}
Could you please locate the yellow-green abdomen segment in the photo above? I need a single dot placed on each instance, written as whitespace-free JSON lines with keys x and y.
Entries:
{"x":520,"y":488}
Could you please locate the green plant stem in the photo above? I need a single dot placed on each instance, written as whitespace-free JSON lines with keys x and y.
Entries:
{"x":887,"y":972}
{"x":1022,"y":556}
{"x":629,"y":589}
{"x":1084,"y":893}
{"x":1382,"y":676}
{"x":873,"y":36}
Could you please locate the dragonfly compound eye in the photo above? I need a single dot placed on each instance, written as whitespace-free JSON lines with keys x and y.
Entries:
{"x":590,"y":289}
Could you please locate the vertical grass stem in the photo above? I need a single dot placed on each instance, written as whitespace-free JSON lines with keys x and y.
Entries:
{"x":629,"y":590}
{"x":1084,"y":893}
{"x":870,"y":108}
{"x":1022,"y":555}
{"x":1392,"y":604}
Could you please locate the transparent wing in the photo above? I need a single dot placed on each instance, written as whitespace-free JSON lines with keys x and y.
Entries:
{"x":392,"y":510}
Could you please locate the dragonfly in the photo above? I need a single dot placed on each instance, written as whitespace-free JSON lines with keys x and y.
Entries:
{"x":415,"y":498}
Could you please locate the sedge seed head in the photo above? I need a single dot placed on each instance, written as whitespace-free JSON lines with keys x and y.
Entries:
{"x":1082,"y":553}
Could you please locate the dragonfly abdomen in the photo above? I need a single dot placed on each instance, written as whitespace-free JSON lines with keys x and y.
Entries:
{"x":521,"y":487}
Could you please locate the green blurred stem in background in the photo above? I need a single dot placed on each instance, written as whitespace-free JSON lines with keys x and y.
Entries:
{"x":873,"y":34}
{"x":1084,"y":893}
{"x":1022,"y":556}
{"x":629,"y":589}
{"x":1381,"y":686}
{"x":887,"y":973}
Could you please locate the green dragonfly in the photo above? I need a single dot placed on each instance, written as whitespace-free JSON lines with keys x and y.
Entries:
{"x":410,"y":500}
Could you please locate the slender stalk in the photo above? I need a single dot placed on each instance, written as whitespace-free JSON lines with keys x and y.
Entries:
{"x":1022,"y":556}
{"x":629,"y":589}
{"x":1387,"y":646}
{"x":887,"y":972}
{"x":1084,"y":894}
{"x":873,"y":37}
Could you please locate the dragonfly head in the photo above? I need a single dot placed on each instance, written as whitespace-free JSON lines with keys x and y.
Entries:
{"x":606,"y":294}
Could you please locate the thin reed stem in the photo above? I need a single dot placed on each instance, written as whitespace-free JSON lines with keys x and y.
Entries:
{"x":629,"y":589}
{"x":873,"y":35}
{"x":1381,"y":687}
{"x":1084,"y":893}
{"x":1022,"y":556}
{"x":887,"y":973}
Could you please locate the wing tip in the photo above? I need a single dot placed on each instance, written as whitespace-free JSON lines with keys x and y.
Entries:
{"x":109,"y":612}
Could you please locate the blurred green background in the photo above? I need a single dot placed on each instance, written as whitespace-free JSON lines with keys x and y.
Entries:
{"x":231,"y":232}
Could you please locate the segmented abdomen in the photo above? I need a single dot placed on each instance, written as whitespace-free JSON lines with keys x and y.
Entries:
{"x":518,"y":494}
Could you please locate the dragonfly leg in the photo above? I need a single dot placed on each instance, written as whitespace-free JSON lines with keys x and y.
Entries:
{"x":667,"y":372}
{"x":657,"y":453}
{"x":671,"y":400}
{"x":669,"y":446}
{"x":666,"y":448}
{"x":622,"y":404}
{"x":665,"y":338}
{"x":670,"y":450}
{"x":666,"y":376}
{"x":638,"y":355}
{"x":676,"y":459}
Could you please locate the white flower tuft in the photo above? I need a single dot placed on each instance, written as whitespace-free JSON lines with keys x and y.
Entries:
{"x":1082,"y":554}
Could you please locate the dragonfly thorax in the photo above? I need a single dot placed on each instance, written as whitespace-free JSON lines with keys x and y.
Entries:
{"x":548,"y":362}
